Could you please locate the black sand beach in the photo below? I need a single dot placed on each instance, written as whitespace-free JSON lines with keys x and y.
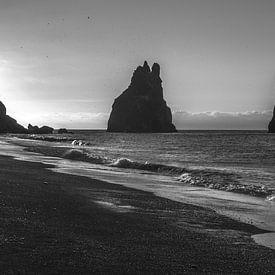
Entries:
{"x":54,"y":223}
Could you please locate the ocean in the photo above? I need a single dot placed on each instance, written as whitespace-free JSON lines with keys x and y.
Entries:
{"x":236,"y":161}
{"x":231,"y":172}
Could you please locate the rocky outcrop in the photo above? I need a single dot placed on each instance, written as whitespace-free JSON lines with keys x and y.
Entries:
{"x":63,"y":131}
{"x":41,"y":130}
{"x":8,"y":124}
{"x":3,"y":110}
{"x":271,"y":126}
{"x":141,"y":107}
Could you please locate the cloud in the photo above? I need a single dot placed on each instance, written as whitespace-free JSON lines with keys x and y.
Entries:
{"x":250,"y":120}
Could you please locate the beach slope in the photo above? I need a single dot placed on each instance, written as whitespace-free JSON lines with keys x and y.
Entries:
{"x":55,"y":223}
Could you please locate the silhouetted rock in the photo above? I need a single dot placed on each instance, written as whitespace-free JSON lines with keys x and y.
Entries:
{"x":41,"y":130}
{"x":141,"y":107}
{"x":3,"y":110}
{"x":8,"y":124}
{"x":33,"y":129}
{"x":63,"y":131}
{"x":46,"y":130}
{"x":271,"y":126}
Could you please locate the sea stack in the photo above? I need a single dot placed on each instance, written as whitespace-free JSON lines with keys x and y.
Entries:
{"x":271,"y":126}
{"x":141,"y":107}
{"x":8,"y":124}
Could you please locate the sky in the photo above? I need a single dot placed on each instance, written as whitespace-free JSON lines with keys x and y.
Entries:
{"x":62,"y":62}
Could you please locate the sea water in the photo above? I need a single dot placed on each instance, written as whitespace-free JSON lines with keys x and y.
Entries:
{"x":232,"y":172}
{"x":236,"y":161}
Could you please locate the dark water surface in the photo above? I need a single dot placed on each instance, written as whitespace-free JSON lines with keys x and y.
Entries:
{"x":214,"y":159}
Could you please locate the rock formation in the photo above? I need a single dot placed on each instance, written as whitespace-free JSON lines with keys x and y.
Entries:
{"x":41,"y":130}
{"x":141,"y":107}
{"x":271,"y":126}
{"x":8,"y":124}
{"x":63,"y":131}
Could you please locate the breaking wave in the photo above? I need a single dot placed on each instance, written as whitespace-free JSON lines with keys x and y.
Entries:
{"x":215,"y":182}
{"x":207,"y":178}
{"x":77,"y":154}
{"x":49,"y":138}
{"x":271,"y":198}
{"x":146,"y":166}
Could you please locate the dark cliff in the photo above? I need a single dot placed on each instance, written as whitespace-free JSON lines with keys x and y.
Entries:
{"x":271,"y":126}
{"x":141,"y":107}
{"x":8,"y":124}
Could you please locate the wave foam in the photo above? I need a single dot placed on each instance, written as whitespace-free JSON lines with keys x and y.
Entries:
{"x":76,"y":154}
{"x":79,"y":143}
{"x":271,"y":198}
{"x":49,"y":138}
{"x":147,"y":166}
{"x":209,"y":181}
{"x":73,"y":154}
{"x":207,"y":178}
{"x":123,"y":163}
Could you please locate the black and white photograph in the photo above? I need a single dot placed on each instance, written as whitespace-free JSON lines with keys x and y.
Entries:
{"x":137,"y":137}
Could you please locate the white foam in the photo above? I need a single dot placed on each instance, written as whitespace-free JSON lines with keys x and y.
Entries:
{"x":122,"y":163}
{"x":78,"y":142}
{"x":73,"y":154}
{"x":271,"y":198}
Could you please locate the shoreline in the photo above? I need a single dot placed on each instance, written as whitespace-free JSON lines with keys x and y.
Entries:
{"x":224,"y":203}
{"x":113,"y":228}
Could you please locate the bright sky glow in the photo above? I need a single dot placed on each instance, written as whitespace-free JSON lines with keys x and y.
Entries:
{"x":62,"y":62}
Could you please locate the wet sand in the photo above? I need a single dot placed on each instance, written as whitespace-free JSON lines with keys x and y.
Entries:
{"x":56,"y":223}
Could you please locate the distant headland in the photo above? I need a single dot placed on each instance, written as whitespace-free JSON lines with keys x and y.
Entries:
{"x":8,"y":124}
{"x":141,"y":107}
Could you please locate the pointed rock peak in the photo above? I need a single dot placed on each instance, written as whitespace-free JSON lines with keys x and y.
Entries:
{"x":146,"y":67}
{"x":141,"y":107}
{"x":156,"y":69}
